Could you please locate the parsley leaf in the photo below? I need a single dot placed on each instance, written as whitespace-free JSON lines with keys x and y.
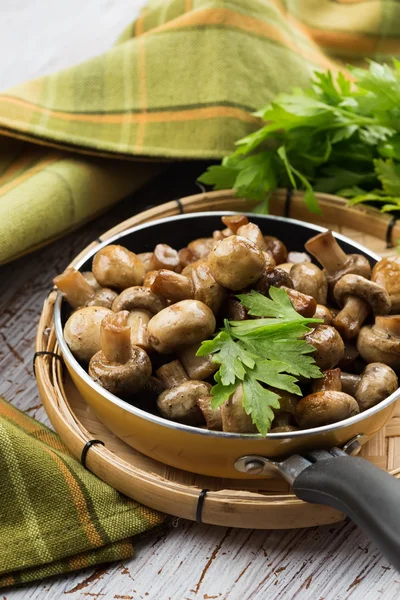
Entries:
{"x":268,"y":351}
{"x":333,"y":135}
{"x":232,"y":358}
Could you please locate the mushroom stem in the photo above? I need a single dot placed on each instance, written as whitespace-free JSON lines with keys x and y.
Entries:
{"x":116,"y":337}
{"x":137,"y":321}
{"x":331,"y":380}
{"x":173,"y":286}
{"x":327,"y":251}
{"x":349,"y":382}
{"x":73,"y":285}
{"x":389,"y":325}
{"x":172,"y":374}
{"x":353,"y":314}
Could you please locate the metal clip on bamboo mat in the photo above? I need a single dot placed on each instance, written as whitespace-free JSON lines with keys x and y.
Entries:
{"x":266,"y":504}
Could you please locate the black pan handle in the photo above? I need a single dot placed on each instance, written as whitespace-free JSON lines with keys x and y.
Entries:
{"x":367,"y":494}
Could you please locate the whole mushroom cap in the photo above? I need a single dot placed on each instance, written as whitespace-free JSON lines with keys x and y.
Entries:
{"x":205,"y":288}
{"x":117,"y":267}
{"x":324,"y":408}
{"x":121,"y":379}
{"x":355,"y":285}
{"x":329,"y":346}
{"x":183,"y":323}
{"x":377,"y":345}
{"x":102,"y":297}
{"x":386,"y":273}
{"x":138,"y":297}
{"x":82,"y":331}
{"x":236,"y":262}
{"x":309,"y":279}
{"x":180,"y":403}
{"x":276,"y":248}
{"x":273,"y":276}
{"x":377,"y":382}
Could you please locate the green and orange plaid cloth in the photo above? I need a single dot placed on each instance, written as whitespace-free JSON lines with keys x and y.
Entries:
{"x":55,"y":516}
{"x":181,"y":82}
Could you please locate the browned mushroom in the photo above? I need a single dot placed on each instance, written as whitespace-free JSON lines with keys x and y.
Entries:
{"x":142,"y":304}
{"x":117,"y":267}
{"x":91,"y":279}
{"x":329,"y":346}
{"x":283,"y":423}
{"x":179,"y":401}
{"x":336,"y":263}
{"x":197,"y":367}
{"x":78,"y":292}
{"x":276,"y":249}
{"x":149,"y":278}
{"x":74,"y":287}
{"x":171,"y":285}
{"x":386,"y":273}
{"x":201,"y":247}
{"x":82,"y":331}
{"x":252,"y":232}
{"x":350,"y":356}
{"x":375,"y":383}
{"x":195,"y":281}
{"x":138,"y":297}
{"x":233,"y":309}
{"x":206,"y":288}
{"x":234,"y":417}
{"x":146,"y":259}
{"x":186,"y":257}
{"x":274,"y":276}
{"x":303,"y":304}
{"x":284,"y":429}
{"x":180,"y":324}
{"x":236,"y":263}
{"x":380,"y":342}
{"x":330,"y":380}
{"x":296,"y":258}
{"x":324,"y":408}
{"x":309,"y":279}
{"x":233,"y":222}
{"x":358,"y":297}
{"x":212,"y":417}
{"x":119,"y":367}
{"x":164,"y":257}
{"x":287,"y":267}
{"x":323,"y":312}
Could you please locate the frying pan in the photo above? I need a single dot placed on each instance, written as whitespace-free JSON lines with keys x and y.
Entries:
{"x":318,"y":463}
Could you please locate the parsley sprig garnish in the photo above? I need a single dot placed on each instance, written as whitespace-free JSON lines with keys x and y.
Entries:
{"x":268,"y":350}
{"x":335,"y":137}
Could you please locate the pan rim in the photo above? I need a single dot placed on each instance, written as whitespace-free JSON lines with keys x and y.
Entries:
{"x":80,"y":371}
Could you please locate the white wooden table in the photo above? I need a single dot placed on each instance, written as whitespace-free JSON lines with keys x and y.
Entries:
{"x":189,"y":561}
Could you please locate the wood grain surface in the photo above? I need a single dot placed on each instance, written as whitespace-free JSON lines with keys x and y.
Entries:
{"x":189,"y":561}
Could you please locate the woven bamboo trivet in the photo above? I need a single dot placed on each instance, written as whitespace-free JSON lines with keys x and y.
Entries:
{"x":263,"y":504}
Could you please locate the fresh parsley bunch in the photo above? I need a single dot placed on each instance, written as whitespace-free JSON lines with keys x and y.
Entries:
{"x":336,"y":137}
{"x":268,"y":350}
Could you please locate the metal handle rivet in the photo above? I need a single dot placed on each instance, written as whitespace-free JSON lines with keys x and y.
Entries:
{"x":254,"y":467}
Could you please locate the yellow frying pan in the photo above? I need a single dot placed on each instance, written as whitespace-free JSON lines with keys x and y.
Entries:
{"x":316,"y":462}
